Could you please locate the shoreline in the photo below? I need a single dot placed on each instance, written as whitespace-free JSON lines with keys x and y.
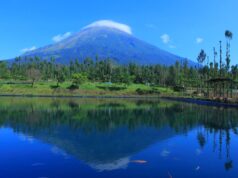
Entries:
{"x":201,"y":101}
{"x":198,"y":101}
{"x":82,"y":96}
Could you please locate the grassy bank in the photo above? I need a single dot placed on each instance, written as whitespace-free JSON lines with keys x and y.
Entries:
{"x":86,"y":89}
{"x":89,"y":89}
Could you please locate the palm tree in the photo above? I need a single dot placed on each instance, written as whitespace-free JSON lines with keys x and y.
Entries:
{"x":201,"y":57}
{"x":215,"y":55}
{"x":229,"y":36}
{"x":220,"y":42}
{"x":214,"y":62}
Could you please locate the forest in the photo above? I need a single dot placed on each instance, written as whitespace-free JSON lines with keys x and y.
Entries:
{"x":207,"y":75}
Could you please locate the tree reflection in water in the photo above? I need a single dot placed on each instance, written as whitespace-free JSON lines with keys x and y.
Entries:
{"x":115,"y":126}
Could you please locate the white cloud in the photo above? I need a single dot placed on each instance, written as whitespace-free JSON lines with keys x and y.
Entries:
{"x":165,"y":153}
{"x":111,"y":24}
{"x":152,"y":26}
{"x":121,"y":163}
{"x":199,"y":40}
{"x":198,"y":151}
{"x":165,"y":38}
{"x":28,"y":49}
{"x":61,"y":37}
{"x":172,"y":46}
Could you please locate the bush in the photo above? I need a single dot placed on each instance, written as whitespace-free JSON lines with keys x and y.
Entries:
{"x":73,"y":87}
{"x":146,"y":92}
{"x":112,"y":88}
{"x":79,"y":78}
{"x":179,"y":88}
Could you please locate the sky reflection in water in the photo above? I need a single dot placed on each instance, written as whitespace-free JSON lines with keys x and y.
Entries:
{"x":122,"y":138}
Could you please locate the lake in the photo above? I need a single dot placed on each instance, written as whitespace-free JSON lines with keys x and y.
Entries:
{"x":116,"y":138}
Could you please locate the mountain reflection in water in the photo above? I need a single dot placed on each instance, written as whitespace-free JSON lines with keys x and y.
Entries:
{"x":106,"y":133}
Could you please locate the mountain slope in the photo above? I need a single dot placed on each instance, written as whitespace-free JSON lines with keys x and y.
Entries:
{"x":105,"y":42}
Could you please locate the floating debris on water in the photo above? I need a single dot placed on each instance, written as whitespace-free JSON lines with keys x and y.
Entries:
{"x":170,"y":176}
{"x":165,"y":153}
{"x":38,"y":164}
{"x":139,"y":161}
{"x":197,"y":168}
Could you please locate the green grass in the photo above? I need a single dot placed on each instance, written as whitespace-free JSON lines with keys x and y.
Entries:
{"x":86,"y":89}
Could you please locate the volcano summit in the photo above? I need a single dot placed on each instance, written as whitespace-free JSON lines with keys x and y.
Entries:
{"x":106,"y":39}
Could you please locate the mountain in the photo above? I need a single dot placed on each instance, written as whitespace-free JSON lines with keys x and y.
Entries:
{"x":105,"y":42}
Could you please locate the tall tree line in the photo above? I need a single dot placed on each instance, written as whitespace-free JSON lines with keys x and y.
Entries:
{"x":107,"y":70}
{"x":98,"y":71}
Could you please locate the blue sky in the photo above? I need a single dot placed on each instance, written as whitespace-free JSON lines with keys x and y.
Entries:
{"x":182,"y":27}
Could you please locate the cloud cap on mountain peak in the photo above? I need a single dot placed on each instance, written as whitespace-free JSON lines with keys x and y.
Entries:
{"x":111,"y":24}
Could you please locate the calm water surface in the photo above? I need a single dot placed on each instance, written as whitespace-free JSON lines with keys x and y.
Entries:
{"x":113,"y":138}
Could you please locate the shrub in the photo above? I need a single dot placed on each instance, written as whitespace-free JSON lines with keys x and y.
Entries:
{"x":146,"y":92}
{"x":179,"y":88}
{"x":73,"y":87}
{"x":79,"y":78}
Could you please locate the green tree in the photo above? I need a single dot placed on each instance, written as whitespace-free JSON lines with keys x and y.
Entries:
{"x":220,"y":42}
{"x":34,"y":75}
{"x":201,"y":56}
{"x":229,"y":36}
{"x":4,"y":72}
{"x":79,"y":78}
{"x":59,"y":75}
{"x":171,"y":80}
